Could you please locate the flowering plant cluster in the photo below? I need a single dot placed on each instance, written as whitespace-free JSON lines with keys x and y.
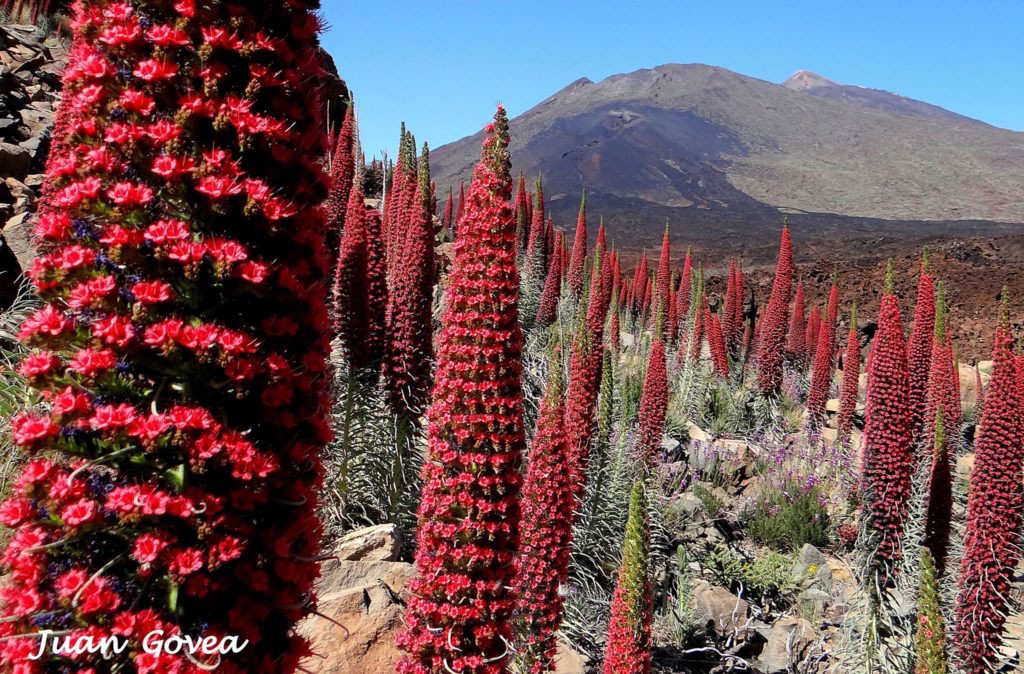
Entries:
{"x":181,"y":346}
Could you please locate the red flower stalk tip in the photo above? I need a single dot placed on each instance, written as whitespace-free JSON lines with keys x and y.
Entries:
{"x":579,"y":250}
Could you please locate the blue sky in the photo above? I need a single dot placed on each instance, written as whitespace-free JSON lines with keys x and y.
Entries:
{"x":441,"y":65}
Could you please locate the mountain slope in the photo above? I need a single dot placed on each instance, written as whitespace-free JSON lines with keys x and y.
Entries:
{"x":705,"y":146}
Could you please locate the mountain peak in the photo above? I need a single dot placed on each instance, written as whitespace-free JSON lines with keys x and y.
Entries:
{"x":804,"y":80}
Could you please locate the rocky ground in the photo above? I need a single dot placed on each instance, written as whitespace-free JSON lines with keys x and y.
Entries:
{"x":31,"y":64}
{"x":797,"y":626}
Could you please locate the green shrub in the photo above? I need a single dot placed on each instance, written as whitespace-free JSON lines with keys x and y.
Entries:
{"x":788,"y":519}
{"x":712,"y":503}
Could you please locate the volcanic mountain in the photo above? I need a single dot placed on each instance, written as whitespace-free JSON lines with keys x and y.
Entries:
{"x":722,"y":157}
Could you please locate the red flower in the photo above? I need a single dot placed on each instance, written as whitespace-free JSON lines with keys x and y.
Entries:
{"x":152,"y":70}
{"x":230,"y":308}
{"x":824,"y":365}
{"x":796,"y":346}
{"x":772,"y":335}
{"x":716,"y":342}
{"x":995,"y":507}
{"x":628,"y":649}
{"x":888,"y":458}
{"x":28,"y":429}
{"x":579,"y":250}
{"x":548,"y":308}
{"x":542,"y":565}
{"x":79,"y":513}
{"x":919,"y":355}
{"x":460,"y":606}
{"x":653,"y":406}
{"x":851,"y":381}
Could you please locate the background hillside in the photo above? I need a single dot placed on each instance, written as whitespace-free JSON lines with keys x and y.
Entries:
{"x":722,"y":156}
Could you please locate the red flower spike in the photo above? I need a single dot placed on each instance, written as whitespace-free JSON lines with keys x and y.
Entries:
{"x":821,"y":378}
{"x":942,"y":383}
{"x":351,"y":299}
{"x":653,"y":406}
{"x":536,"y":247}
{"x":919,"y":354}
{"x":663,"y":280}
{"x":542,"y":564}
{"x":851,"y":381}
{"x":813,"y":327}
{"x":448,"y":213}
{"x":888,"y":458}
{"x":640,"y":281}
{"x":796,"y":346}
{"x":460,"y":609}
{"x":628,"y":648}
{"x":343,"y":168}
{"x":579,"y":250}
{"x":684,"y":295}
{"x":995,"y":504}
{"x":204,"y":518}
{"x":939,"y":512}
{"x":772,"y":336}
{"x":716,"y":343}
{"x":548,"y":308}
{"x":409,"y":345}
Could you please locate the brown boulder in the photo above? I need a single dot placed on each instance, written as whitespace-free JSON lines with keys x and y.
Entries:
{"x":376,"y":543}
{"x":363,"y":603}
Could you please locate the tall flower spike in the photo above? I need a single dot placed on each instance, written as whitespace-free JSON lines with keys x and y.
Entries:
{"x":640,"y":281}
{"x":940,"y":496}
{"x":943,"y":375}
{"x":343,"y":167}
{"x":409,"y":347}
{"x":995,"y":504}
{"x":716,"y":343}
{"x":888,"y":459}
{"x":579,"y":250}
{"x":183,"y":338}
{"x":458,"y":616}
{"x":822,"y":372}
{"x":542,"y":564}
{"x":628,"y":648}
{"x":851,"y":380}
{"x":448,"y":213}
{"x":376,"y":288}
{"x":548,"y":308}
{"x":351,"y":298}
{"x":930,"y":635}
{"x":653,"y":406}
{"x":772,"y":336}
{"x":796,"y":346}
{"x":919,"y":353}
{"x":685,"y":293}
{"x":813,"y":328}
{"x":663,"y":281}
{"x":584,"y":381}
{"x":522,"y":215}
